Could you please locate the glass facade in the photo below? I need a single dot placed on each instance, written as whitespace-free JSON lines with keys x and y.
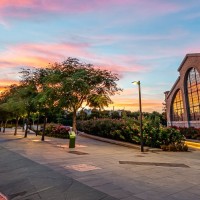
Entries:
{"x":177,"y":107}
{"x":193,"y":92}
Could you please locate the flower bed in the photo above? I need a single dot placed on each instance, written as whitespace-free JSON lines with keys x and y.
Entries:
{"x":58,"y":131}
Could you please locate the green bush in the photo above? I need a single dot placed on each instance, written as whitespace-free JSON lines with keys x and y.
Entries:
{"x":156,"y":135}
{"x":58,"y":131}
{"x":110,"y":128}
{"x":127,"y":130}
{"x":190,"y":133}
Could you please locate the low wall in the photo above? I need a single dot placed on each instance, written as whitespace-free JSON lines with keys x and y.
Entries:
{"x":195,"y":124}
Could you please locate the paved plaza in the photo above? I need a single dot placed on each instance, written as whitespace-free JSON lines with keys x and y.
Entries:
{"x":31,"y":169}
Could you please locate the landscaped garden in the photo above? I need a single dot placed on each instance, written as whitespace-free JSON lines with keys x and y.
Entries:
{"x":127,"y":130}
{"x":54,"y":97}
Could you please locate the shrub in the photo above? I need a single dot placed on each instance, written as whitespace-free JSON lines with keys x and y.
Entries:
{"x":128,"y":130}
{"x":110,"y":128}
{"x":189,"y":133}
{"x":175,"y":147}
{"x":58,"y":131}
{"x":61,"y":132}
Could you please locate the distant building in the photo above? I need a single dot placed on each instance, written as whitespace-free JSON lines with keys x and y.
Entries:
{"x":183,"y":100}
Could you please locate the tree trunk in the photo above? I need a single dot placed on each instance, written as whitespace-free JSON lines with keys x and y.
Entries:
{"x":37,"y":124}
{"x":44,"y":128}
{"x":16,"y":125}
{"x":26,"y":130}
{"x":23,"y":125}
{"x":74,"y":122}
{"x":4,"y":127}
{"x":1,"y":125}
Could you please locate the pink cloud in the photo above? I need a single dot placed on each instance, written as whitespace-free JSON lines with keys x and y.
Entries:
{"x":28,"y":8}
{"x":121,"y":68}
{"x":40,"y":55}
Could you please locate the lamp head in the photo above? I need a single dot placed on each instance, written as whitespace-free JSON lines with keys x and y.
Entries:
{"x":136,"y":82}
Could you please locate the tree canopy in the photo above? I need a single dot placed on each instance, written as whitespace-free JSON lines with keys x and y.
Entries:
{"x":62,"y":86}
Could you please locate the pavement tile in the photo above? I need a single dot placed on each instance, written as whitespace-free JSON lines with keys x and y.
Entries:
{"x":131,"y":198}
{"x":184,"y":195}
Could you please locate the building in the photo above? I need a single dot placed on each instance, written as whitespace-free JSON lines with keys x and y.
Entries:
{"x":183,"y":100}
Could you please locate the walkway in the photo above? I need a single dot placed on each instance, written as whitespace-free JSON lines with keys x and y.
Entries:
{"x":94,"y":170}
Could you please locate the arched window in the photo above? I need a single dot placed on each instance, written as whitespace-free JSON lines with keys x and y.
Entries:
{"x":177,"y":107}
{"x":193,"y":93}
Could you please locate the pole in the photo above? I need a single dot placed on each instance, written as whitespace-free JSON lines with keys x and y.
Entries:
{"x":141,"y":133}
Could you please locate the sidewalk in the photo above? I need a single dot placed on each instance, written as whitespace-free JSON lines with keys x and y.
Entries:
{"x":116,"y":171}
{"x":23,"y":179}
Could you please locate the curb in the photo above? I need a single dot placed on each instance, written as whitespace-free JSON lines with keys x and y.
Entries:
{"x":125,"y":144}
{"x":191,"y":144}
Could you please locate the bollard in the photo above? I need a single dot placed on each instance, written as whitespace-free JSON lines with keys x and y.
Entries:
{"x":72,"y":139}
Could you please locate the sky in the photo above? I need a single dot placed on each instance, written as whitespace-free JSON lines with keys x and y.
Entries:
{"x":137,"y":39}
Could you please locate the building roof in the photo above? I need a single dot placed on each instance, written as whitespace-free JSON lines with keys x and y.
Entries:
{"x":188,"y":55}
{"x":169,"y":92}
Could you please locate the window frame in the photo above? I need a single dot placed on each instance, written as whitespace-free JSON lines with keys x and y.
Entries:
{"x":193,"y":94}
{"x":177,"y":106}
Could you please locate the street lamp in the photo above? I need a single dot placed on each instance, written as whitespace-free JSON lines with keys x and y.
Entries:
{"x":141,"y":133}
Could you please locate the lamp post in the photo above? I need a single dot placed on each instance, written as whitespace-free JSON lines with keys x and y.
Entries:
{"x":140,"y":104}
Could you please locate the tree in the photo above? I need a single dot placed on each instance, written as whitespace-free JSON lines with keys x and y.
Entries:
{"x":115,"y":115}
{"x":98,"y":101}
{"x":4,"y":117}
{"x":28,"y":92}
{"x":46,"y":99}
{"x":4,"y":114}
{"x":35,"y":95}
{"x":79,"y":83}
{"x":95,"y":114}
{"x":16,"y":107}
{"x":69,"y":84}
{"x":105,"y":113}
{"x":82,"y":115}
{"x":13,"y":104}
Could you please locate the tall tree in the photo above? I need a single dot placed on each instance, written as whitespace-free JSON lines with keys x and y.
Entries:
{"x":29,"y":92}
{"x":79,"y":83}
{"x":43,"y":93}
{"x":71,"y":84}
{"x":12,"y":104}
{"x":46,"y":100}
